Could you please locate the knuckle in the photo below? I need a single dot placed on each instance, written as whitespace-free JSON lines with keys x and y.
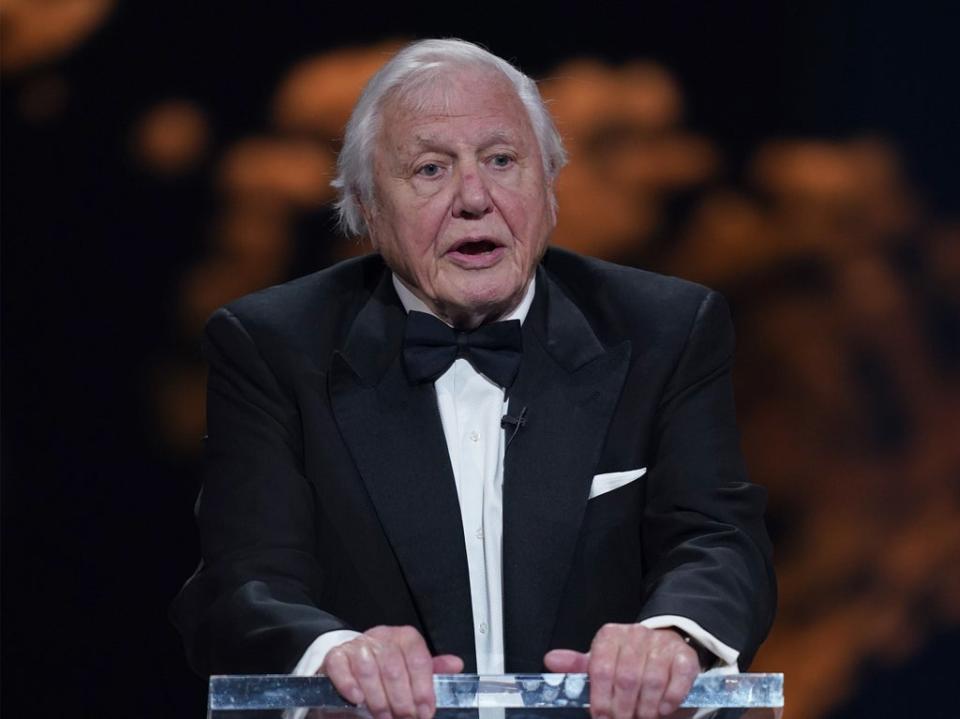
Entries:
{"x":339,"y":673}
{"x":419,"y":660}
{"x":363,"y":664}
{"x":392,"y":671}
{"x":627,"y":681}
{"x":391,"y":663}
{"x":365,"y":670}
{"x":602,"y":671}
{"x":654,"y":682}
{"x":610,"y":630}
{"x":602,"y":635}
{"x":336,"y":656}
{"x":408,"y":633}
{"x":686,"y":661}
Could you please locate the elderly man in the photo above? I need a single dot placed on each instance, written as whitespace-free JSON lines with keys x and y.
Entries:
{"x":467,"y":451}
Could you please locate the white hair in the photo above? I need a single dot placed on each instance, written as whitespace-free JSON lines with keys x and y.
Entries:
{"x":409,"y":69}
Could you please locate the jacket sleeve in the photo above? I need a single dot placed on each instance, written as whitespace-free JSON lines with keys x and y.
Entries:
{"x":252,"y":606}
{"x":706,"y":549}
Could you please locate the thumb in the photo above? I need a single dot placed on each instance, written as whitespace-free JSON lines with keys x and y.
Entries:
{"x":447,"y":664}
{"x":566,"y":661}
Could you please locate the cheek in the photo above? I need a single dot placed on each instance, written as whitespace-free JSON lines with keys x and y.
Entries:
{"x":529,"y":220}
{"x":416,"y":240}
{"x":427,"y":215}
{"x":414,"y":226}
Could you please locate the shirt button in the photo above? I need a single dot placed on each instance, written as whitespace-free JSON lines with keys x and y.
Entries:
{"x":474,"y":436}
{"x":483,"y":627}
{"x":479,"y":534}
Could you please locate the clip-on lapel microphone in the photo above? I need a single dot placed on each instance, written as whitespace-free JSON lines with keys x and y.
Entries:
{"x":516,"y":422}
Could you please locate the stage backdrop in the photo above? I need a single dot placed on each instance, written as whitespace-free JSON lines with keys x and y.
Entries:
{"x":161,"y":159}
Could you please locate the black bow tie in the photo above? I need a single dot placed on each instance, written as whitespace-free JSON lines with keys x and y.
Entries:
{"x":430,"y":347}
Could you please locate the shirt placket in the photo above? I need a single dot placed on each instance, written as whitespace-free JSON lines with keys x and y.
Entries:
{"x":469,"y":391}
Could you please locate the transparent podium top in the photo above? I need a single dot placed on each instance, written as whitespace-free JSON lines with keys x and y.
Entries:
{"x":469,"y":696}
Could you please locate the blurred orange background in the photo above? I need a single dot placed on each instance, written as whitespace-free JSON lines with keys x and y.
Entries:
{"x":840,"y":258}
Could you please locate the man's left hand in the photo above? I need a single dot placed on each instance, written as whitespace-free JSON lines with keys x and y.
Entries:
{"x":634,"y":671}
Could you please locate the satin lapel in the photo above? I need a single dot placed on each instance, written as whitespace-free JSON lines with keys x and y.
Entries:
{"x":570,"y":385}
{"x":394,"y":433}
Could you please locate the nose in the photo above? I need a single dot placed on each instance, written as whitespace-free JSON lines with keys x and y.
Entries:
{"x":472,"y":199}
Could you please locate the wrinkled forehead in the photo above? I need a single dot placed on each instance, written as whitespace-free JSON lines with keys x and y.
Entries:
{"x":452,"y":92}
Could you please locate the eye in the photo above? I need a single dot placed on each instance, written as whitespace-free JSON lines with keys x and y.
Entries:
{"x":501,"y":161}
{"x":430,"y":169}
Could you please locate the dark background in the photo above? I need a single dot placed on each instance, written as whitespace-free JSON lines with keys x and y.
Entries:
{"x":97,"y":527}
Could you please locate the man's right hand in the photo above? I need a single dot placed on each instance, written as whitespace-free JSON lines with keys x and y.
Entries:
{"x":390,"y":671}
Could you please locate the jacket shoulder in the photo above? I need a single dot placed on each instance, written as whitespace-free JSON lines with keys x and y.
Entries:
{"x":311,"y":313}
{"x":624,"y":301}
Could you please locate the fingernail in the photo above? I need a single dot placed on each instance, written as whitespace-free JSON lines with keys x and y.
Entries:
{"x":666,"y":709}
{"x":423,"y":711}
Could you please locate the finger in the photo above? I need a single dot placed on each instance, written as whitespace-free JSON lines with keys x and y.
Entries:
{"x":626,"y":678}
{"x":683,"y":672}
{"x":601,"y":667}
{"x":566,"y":661}
{"x":420,"y":670}
{"x":396,"y":679}
{"x":656,"y":675}
{"x":365,"y":669}
{"x":336,"y":665}
{"x":447,"y":664}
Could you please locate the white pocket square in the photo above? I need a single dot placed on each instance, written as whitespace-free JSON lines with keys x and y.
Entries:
{"x":603,"y":483}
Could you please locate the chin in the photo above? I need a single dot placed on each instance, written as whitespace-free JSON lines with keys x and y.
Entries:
{"x":486,"y":295}
{"x":494,"y":305}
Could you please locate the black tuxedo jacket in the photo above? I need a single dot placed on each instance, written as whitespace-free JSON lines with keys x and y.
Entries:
{"x":329,"y":501}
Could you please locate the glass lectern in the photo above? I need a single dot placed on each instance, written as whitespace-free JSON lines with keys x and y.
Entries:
{"x":469,"y":696}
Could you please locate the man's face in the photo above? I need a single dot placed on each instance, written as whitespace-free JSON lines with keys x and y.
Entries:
{"x":461,"y":208}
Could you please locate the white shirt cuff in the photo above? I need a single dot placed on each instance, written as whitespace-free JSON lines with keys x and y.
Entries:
{"x":312,"y":659}
{"x":727,"y":655}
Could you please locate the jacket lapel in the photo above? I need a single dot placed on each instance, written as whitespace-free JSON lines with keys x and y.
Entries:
{"x":570,"y":385}
{"x":394,"y":433}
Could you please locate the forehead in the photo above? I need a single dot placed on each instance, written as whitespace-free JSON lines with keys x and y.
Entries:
{"x":466,"y":106}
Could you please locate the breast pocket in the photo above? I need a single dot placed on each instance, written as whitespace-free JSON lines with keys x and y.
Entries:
{"x":614,"y":499}
{"x":609,"y":481}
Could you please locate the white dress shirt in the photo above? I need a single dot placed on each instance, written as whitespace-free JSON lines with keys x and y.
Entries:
{"x":471,"y":408}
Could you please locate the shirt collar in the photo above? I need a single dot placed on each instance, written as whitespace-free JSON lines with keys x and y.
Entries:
{"x":412,"y":303}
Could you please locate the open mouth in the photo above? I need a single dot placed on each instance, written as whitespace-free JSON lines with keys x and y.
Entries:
{"x":476,"y":253}
{"x":475,"y":247}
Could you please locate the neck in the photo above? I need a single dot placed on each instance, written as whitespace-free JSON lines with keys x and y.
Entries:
{"x":467,"y":318}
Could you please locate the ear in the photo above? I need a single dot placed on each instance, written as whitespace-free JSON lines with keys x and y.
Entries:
{"x":552,"y":199}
